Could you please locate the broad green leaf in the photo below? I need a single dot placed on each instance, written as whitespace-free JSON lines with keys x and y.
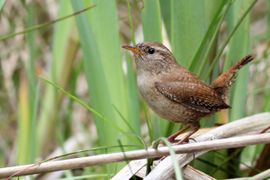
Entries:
{"x":151,"y":19}
{"x":209,"y":43}
{"x":2,"y":2}
{"x":165,"y":7}
{"x":103,"y":67}
{"x":239,"y":47}
{"x":28,"y":98}
{"x":188,"y":26}
{"x":64,"y":47}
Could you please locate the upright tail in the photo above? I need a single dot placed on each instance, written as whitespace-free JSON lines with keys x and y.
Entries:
{"x":225,"y":80}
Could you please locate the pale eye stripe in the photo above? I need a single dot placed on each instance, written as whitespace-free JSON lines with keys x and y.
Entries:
{"x":161,"y":49}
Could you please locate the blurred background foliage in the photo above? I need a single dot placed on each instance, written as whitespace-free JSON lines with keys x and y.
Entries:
{"x":83,"y":56}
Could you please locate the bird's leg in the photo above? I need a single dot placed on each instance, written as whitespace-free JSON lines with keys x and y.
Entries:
{"x":266,"y":129}
{"x":172,"y":137}
{"x":185,"y":139}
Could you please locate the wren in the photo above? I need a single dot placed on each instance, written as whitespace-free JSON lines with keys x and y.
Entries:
{"x":175,"y":93}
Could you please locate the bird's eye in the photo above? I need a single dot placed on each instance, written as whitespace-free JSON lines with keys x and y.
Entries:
{"x":151,"y":50}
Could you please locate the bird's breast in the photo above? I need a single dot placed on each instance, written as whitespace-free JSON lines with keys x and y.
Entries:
{"x":146,"y":84}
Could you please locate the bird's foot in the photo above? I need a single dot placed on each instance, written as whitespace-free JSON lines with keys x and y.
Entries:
{"x":157,"y":143}
{"x":181,"y":141}
{"x":184,"y":141}
{"x":265,"y":130}
{"x":172,"y":138}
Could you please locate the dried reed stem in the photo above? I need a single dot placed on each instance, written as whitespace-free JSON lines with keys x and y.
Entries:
{"x":163,"y":151}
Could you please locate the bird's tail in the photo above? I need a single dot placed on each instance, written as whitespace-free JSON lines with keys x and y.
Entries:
{"x":225,"y":80}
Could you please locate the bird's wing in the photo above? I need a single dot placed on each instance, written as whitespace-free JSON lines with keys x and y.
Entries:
{"x":196,"y":96}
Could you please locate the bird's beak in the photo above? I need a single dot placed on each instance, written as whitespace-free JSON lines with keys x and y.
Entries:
{"x":135,"y":50}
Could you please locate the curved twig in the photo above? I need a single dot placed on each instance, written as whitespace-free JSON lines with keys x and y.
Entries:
{"x":249,"y":125}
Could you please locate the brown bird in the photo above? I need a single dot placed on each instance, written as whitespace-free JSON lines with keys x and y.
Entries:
{"x":176,"y":94}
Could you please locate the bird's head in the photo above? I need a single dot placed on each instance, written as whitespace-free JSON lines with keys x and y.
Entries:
{"x":151,"y":56}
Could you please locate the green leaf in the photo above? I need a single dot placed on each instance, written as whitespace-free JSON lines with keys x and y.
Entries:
{"x":165,"y":7}
{"x":28,"y":101}
{"x":2,"y":2}
{"x":239,"y":47}
{"x":151,"y":19}
{"x":103,"y":67}
{"x":200,"y":60}
{"x":64,"y":48}
{"x":188,"y":25}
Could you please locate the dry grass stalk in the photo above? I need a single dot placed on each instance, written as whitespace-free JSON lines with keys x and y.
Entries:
{"x":248,"y":125}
